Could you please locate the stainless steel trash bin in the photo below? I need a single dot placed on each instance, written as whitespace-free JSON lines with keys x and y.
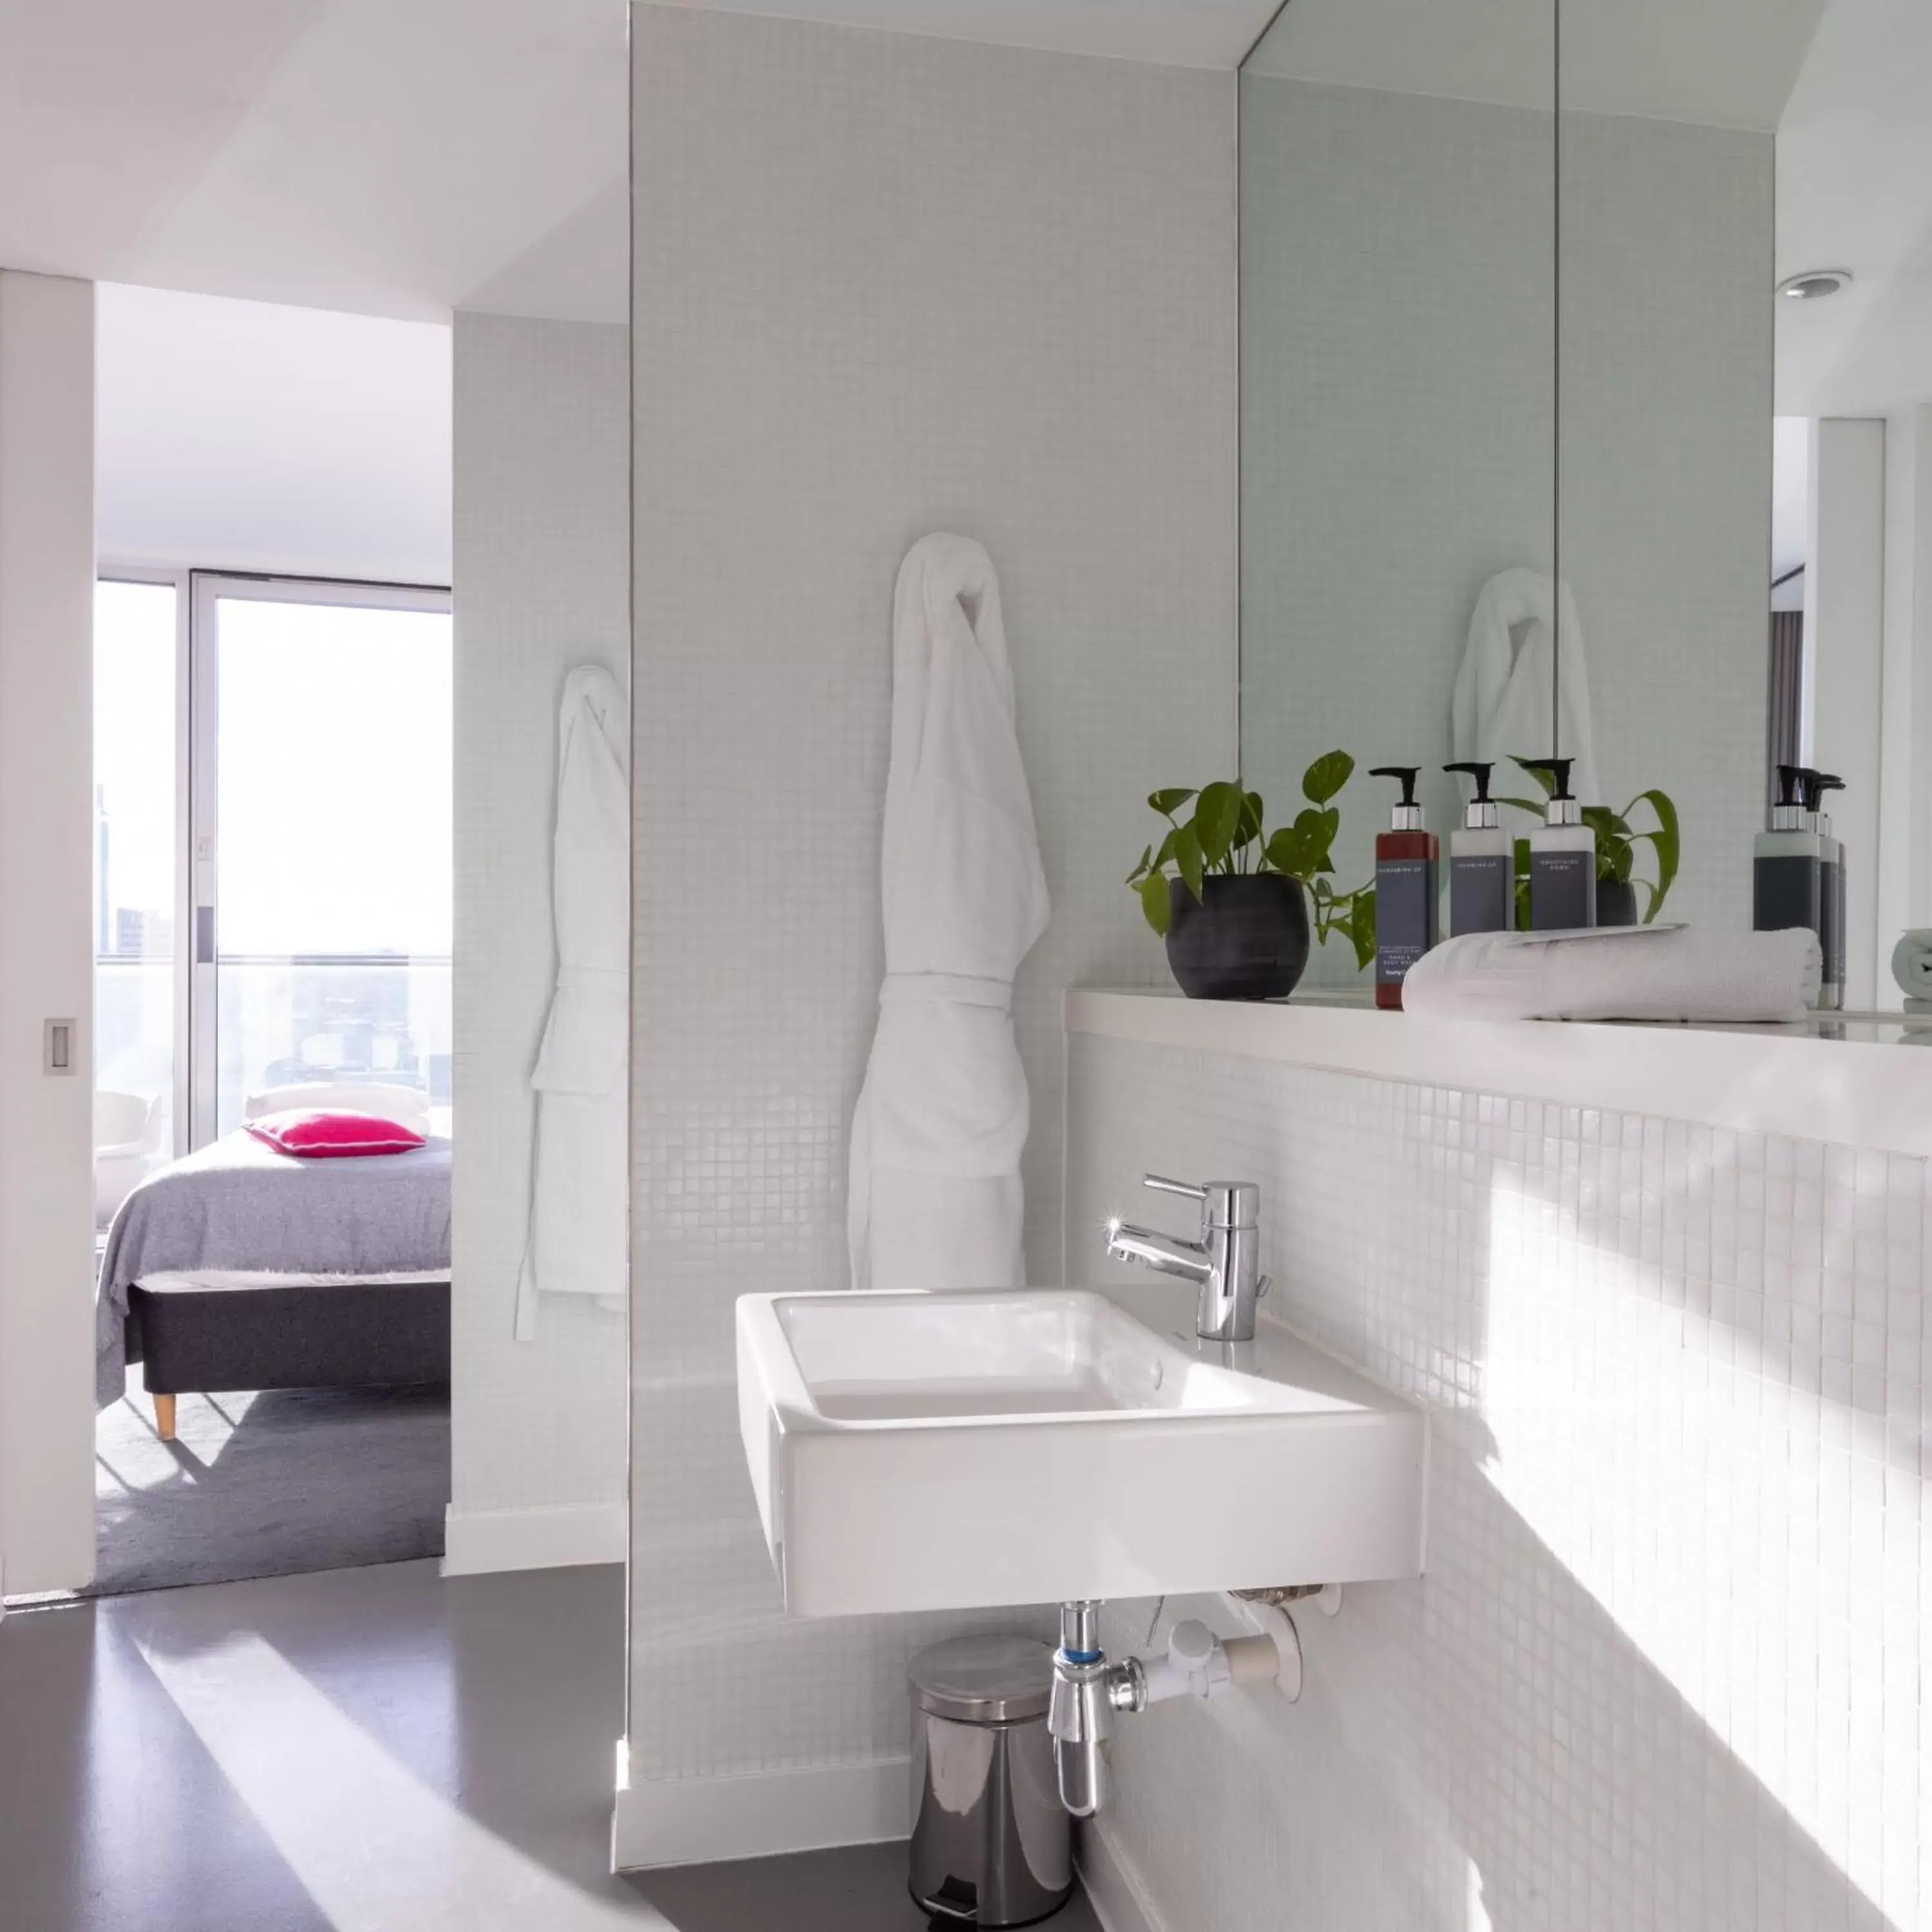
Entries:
{"x":991,"y":1841}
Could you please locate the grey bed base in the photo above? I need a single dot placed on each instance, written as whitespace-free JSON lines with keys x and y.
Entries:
{"x":382,"y":1335}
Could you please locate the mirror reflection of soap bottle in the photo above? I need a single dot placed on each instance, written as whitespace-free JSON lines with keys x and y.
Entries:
{"x":1562,"y":858}
{"x":1482,"y":863}
{"x":1407,"y":858}
{"x":1787,"y":874}
{"x":1831,"y":928}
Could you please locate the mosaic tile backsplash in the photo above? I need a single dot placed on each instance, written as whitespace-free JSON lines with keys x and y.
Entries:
{"x":1671,"y":1664}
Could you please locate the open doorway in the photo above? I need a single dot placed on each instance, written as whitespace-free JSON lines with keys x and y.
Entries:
{"x":273,"y":896}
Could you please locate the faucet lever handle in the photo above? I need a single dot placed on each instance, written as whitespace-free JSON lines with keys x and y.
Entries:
{"x":1161,"y":1184}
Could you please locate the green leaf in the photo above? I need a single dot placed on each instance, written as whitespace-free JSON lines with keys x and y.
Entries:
{"x":1252,"y":813}
{"x":1290,"y":851}
{"x":1216,"y":819}
{"x":1665,"y":842}
{"x":1327,"y":776}
{"x":1140,"y":870}
{"x":1362,"y":928}
{"x":1546,"y":779}
{"x":1168,"y":803}
{"x":1187,"y":855}
{"x":1155,"y":903}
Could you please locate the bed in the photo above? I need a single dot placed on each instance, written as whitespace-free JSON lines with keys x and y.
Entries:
{"x":239,"y":1267}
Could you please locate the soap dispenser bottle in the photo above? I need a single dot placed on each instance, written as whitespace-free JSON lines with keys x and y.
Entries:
{"x":1562,"y":858}
{"x":1406,"y":862}
{"x":1831,"y":903}
{"x":1787,"y":875}
{"x":1482,"y":863}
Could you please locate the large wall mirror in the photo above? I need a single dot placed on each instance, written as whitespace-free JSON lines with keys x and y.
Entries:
{"x":1398,"y":381}
{"x":1587,"y":363}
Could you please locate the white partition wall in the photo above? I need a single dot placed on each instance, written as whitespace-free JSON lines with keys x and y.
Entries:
{"x":542,"y":584}
{"x":884,"y":285}
{"x":46,"y":819}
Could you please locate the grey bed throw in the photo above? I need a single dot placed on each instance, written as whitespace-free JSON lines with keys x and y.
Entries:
{"x":238,"y":1204}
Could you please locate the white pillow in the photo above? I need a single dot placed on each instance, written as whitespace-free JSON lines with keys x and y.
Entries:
{"x":407,"y":1105}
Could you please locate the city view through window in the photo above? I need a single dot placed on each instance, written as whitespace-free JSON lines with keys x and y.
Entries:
{"x":331,"y":881}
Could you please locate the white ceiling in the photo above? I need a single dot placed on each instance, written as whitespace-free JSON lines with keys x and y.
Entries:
{"x":393,"y":158}
{"x":253,"y":436}
{"x":1168,"y":33}
{"x":1720,"y":63}
{"x":1855,"y":191}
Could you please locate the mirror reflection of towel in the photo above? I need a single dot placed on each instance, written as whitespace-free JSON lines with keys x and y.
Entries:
{"x":1502,"y":706}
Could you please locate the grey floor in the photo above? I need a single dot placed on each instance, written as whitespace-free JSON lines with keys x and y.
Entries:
{"x":363,"y":1750}
{"x":268,"y":1484}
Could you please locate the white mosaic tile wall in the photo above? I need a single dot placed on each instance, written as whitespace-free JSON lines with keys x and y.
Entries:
{"x":1671,"y":1665}
{"x":542,"y":582}
{"x":884,"y":285}
{"x":1666,"y":455}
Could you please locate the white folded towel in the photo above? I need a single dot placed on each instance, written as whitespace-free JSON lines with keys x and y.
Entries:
{"x":1640,"y":974}
{"x":1912,"y":963}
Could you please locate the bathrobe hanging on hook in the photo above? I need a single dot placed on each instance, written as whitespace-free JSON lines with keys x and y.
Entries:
{"x":934,"y":1197}
{"x":579,"y":1235}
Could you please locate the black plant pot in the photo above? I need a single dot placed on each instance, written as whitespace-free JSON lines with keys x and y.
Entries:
{"x":1250,"y":941}
{"x":1616,"y":902}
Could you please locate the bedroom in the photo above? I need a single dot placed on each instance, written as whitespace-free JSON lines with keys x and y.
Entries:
{"x":358,"y":508}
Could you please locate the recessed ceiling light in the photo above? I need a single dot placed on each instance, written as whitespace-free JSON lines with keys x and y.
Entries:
{"x":1814,"y":284}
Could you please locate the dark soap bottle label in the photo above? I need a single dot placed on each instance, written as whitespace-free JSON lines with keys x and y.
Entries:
{"x":1482,"y":893}
{"x":1405,"y":916}
{"x":1562,"y":890}
{"x":1786,"y":891}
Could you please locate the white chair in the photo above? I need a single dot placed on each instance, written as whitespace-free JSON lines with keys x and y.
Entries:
{"x":126,"y":1137}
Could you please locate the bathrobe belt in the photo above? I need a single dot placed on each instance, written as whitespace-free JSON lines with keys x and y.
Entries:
{"x":943,"y":989}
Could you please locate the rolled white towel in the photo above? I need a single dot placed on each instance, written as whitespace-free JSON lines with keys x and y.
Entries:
{"x":1643,"y":974}
{"x":1912,"y":963}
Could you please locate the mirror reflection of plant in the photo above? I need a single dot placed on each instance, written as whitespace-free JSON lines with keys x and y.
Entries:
{"x":1226,"y":836}
{"x":1617,"y":840}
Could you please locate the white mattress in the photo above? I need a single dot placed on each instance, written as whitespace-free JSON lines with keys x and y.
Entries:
{"x":214,"y":1279}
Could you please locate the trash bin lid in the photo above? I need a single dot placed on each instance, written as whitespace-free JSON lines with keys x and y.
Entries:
{"x":984,"y":1680}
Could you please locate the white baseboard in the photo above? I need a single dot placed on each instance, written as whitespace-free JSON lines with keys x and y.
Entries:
{"x":695,"y":1821}
{"x":1114,"y":1888}
{"x":475,"y":1542}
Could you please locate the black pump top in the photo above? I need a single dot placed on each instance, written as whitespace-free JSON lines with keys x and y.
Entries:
{"x":1816,"y":785}
{"x":1789,"y":778}
{"x":1406,"y":775}
{"x":1406,"y":817}
{"x":1481,"y":773}
{"x":1559,"y":769}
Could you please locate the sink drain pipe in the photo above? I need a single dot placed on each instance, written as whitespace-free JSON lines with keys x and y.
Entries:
{"x":1088,"y":1690}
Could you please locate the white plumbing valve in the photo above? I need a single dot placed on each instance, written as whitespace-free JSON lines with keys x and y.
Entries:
{"x":1194,"y":1652}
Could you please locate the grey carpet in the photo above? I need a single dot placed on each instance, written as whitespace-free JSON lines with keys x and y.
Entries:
{"x":268,"y":1485}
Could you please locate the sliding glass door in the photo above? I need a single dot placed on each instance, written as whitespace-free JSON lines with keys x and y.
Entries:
{"x":140,"y":981}
{"x":321,"y":839}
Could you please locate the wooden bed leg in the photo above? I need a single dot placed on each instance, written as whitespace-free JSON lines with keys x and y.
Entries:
{"x":164,"y":1416}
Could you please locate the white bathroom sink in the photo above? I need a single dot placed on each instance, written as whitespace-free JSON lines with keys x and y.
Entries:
{"x":915,"y":1452}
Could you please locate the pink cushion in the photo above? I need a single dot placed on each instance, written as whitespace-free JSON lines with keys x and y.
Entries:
{"x":321,"y":1133}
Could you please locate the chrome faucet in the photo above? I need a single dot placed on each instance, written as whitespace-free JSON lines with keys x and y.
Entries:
{"x":1222,"y":1264}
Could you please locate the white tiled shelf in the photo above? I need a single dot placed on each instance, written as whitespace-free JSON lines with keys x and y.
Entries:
{"x":1864,"y":1079}
{"x":1670,"y":1666}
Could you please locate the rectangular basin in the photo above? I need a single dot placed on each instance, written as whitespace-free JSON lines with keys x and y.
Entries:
{"x":956,"y":1450}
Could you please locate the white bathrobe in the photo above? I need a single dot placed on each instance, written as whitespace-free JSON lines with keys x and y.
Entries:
{"x":1501,"y":708}
{"x":934,"y":1198}
{"x":579,"y":1233}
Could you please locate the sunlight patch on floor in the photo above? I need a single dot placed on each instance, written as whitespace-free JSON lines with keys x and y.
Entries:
{"x":377,"y":1849}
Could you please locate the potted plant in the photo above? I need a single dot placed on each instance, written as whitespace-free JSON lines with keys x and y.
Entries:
{"x":1231,"y":898}
{"x":1617,"y":840}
